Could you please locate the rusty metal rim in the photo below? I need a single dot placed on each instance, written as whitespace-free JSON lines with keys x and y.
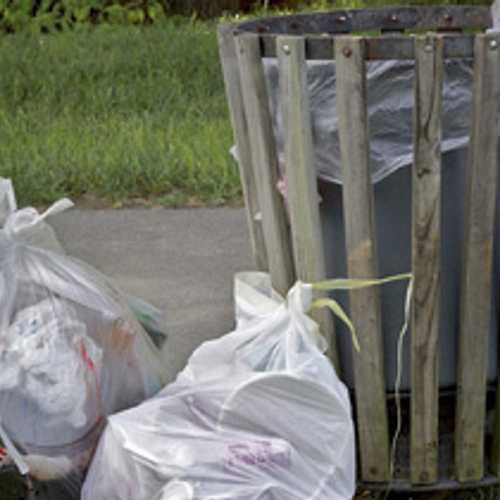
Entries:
{"x":394,"y":19}
{"x":392,"y":47}
{"x":321,"y":29}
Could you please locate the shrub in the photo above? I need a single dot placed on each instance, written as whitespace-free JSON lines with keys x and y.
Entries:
{"x":47,"y":15}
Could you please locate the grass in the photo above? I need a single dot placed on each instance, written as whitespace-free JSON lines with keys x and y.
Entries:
{"x":121,"y":113}
{"x":116,"y":112}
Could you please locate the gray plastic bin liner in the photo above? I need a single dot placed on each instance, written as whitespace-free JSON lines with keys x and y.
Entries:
{"x":390,"y":95}
{"x":390,"y":108}
{"x":393,"y":223}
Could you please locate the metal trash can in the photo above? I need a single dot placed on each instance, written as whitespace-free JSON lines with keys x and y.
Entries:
{"x":381,"y":180}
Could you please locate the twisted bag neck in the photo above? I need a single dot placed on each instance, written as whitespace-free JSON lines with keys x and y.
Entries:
{"x":28,"y":226}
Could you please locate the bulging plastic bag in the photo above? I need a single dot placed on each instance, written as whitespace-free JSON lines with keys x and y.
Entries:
{"x":258,"y":414}
{"x":31,"y":227}
{"x":71,"y":353}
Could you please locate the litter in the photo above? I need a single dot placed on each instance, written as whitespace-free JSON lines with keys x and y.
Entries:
{"x":257,"y":414}
{"x":32,"y":228}
{"x":71,"y":353}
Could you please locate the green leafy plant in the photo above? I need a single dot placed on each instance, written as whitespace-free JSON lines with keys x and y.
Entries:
{"x":49,"y":15}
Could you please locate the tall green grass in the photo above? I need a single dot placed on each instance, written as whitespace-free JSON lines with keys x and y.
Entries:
{"x":120,"y":112}
{"x":117,"y":112}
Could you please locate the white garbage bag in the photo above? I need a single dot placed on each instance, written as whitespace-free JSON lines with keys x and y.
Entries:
{"x":71,"y":353}
{"x":258,"y":414}
{"x":31,"y":227}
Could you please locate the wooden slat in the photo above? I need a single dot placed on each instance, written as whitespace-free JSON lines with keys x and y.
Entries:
{"x":426,"y":245}
{"x":265,"y":160}
{"x":477,"y":265}
{"x":309,"y":254}
{"x":361,"y":258}
{"x":495,"y":447}
{"x":230,"y":70}
{"x":495,"y":451}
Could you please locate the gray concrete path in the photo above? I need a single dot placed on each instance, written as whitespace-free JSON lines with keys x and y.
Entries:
{"x":183,"y":261}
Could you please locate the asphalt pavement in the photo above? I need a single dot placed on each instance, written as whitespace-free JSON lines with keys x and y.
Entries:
{"x":182,"y":261}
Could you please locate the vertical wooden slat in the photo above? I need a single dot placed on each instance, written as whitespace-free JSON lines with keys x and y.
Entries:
{"x":477,"y":264}
{"x":231,"y":73}
{"x":361,"y":258}
{"x":303,"y":201}
{"x":426,"y":185}
{"x":265,"y":161}
{"x":495,"y":447}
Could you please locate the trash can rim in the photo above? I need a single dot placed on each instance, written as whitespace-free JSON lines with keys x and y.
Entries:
{"x":391,"y":41}
{"x":387,"y":19}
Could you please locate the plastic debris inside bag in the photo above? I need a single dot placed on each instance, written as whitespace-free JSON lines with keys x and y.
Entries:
{"x":71,"y":353}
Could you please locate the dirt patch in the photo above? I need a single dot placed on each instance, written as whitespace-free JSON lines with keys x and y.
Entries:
{"x":91,"y":203}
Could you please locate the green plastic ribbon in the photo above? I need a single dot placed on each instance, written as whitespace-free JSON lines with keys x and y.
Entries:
{"x":334,"y":306}
{"x":355,"y":284}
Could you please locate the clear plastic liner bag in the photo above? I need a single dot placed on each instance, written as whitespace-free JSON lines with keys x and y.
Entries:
{"x":31,"y":227}
{"x":258,"y":414}
{"x":71,"y":353}
{"x":390,"y":112}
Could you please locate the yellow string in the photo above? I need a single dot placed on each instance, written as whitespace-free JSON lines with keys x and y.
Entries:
{"x":397,"y":385}
{"x":354,"y":284}
{"x":335,"y":307}
{"x":337,"y":310}
{"x":349,"y":284}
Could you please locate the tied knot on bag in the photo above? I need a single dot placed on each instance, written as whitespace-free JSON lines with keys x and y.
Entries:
{"x":29,"y":219}
{"x":29,"y":227}
{"x":299,"y":299}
